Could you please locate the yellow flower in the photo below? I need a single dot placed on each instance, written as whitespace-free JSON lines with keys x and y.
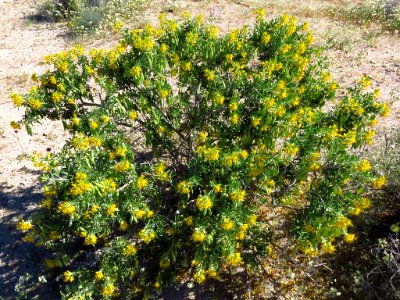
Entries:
{"x":255,"y":122}
{"x":370,"y":134}
{"x":147,"y":235}
{"x":163,"y":94}
{"x":35,"y":104}
{"x":188,"y":221}
{"x":218,"y":98}
{"x":260,"y":13}
{"x":209,"y":75}
{"x":212,"y":31}
{"x":123,"y":226}
{"x":349,"y":238}
{"x":66,"y":208}
{"x":244,"y":154}
{"x":118,"y":25}
{"x":93,"y":124}
{"x":140,"y":214}
{"x":111,"y":209}
{"x":164,"y":48}
{"x":385,"y":110}
{"x":252,"y":220}
{"x":200,"y":276}
{"x":265,"y":38}
{"x":105,"y":118}
{"x":227,"y":224}
{"x":328,"y":248}
{"x":56,"y":97}
{"x":187,"y":66}
{"x":198,"y":235}
{"x":234,"y":259}
{"x":218,"y":188}
{"x":130,"y":250}
{"x":15,"y":125}
{"x":108,"y":290}
{"x":203,"y":203}
{"x":183,"y":188}
{"x":378,"y":182}
{"x":68,"y":276}
{"x":90,"y":239}
{"x":233,"y":106}
{"x":229,"y":58}
{"x":343,"y":222}
{"x":98,"y":276}
{"x":133,"y":115}
{"x":142,"y":182}
{"x":364,"y":166}
{"x":269,"y":103}
{"x":46,"y":203}
{"x":24,"y":225}
{"x":17,"y":100}
{"x":234,"y":119}
{"x":238,"y":196}
{"x":122,"y":166}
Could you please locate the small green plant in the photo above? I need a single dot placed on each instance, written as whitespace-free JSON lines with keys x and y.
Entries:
{"x":181,"y":142}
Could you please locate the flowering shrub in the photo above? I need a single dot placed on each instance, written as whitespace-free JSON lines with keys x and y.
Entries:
{"x":181,"y":141}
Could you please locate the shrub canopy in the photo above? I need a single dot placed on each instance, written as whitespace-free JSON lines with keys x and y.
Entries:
{"x":182,"y":142}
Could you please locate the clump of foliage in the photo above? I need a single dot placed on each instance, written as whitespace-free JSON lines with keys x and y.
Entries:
{"x":181,"y":141}
{"x":89,"y":15}
{"x":384,"y":12}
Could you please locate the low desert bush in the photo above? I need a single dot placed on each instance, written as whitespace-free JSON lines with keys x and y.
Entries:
{"x":384,"y":12}
{"x":85,"y":16}
{"x":181,"y":142}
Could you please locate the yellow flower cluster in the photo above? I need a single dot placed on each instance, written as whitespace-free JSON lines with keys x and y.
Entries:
{"x":204,"y":203}
{"x":209,"y":154}
{"x":142,"y":182}
{"x":234,"y":259}
{"x":90,"y":240}
{"x":238,"y":195}
{"x":364,"y":166}
{"x":198,"y":235}
{"x":122,"y":166}
{"x":108,"y":290}
{"x":147,"y":235}
{"x":200,"y":276}
{"x":183,"y":188}
{"x":80,"y":186}
{"x":98,"y":275}
{"x":161,"y":173}
{"x":349,"y":238}
{"x":24,"y":225}
{"x":343,"y":222}
{"x":68,"y":276}
{"x":66,"y":208}
{"x":227,"y":224}
{"x":17,"y":100}
{"x":379,"y":182}
{"x":130,"y":250}
{"x":108,"y":186}
{"x":112,"y":208}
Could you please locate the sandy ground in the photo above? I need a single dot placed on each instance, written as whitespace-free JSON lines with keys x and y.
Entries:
{"x":22,"y":45}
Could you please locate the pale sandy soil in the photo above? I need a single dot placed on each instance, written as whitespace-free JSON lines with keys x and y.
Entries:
{"x":23,"y":43}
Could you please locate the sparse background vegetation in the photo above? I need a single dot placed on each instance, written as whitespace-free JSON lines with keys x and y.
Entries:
{"x":359,"y":38}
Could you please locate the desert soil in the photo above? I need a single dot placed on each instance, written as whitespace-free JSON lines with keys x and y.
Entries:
{"x":23,"y":43}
